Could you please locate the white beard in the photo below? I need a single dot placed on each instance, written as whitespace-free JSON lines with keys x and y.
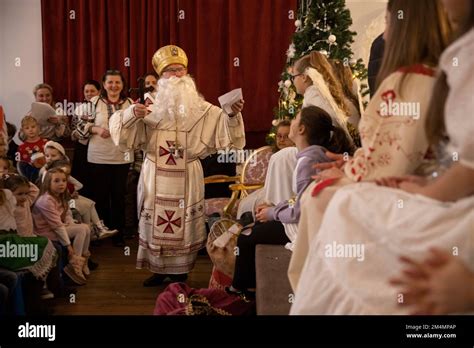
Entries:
{"x":177,"y":98}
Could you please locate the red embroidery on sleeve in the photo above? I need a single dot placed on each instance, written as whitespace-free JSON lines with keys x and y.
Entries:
{"x":322,"y":185}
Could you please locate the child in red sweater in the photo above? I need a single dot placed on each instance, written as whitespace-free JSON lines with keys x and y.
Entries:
{"x":31,"y":151}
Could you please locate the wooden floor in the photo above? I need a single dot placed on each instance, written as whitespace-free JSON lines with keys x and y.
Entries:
{"x":115,"y":287}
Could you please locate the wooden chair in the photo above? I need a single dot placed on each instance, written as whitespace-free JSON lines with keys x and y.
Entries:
{"x":251,"y":178}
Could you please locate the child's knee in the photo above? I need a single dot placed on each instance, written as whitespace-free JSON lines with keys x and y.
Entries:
{"x":85,"y":229}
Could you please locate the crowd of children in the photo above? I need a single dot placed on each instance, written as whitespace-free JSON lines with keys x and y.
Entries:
{"x":42,"y":209}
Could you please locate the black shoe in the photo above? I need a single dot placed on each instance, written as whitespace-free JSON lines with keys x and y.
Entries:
{"x":92,"y":265}
{"x":96,"y":243}
{"x":247,"y":296}
{"x":155,"y":280}
{"x":178,"y":278}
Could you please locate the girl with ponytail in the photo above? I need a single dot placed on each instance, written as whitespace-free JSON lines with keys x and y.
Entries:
{"x":313,"y":133}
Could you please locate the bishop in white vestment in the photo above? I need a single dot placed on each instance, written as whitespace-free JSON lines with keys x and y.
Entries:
{"x":174,"y":132}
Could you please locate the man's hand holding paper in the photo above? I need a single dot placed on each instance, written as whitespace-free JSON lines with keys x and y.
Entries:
{"x":232,"y":103}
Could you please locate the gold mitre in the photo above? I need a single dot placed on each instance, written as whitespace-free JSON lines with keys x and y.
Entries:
{"x":168,"y":55}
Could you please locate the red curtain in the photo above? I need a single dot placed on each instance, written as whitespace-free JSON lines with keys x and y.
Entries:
{"x":229,"y":43}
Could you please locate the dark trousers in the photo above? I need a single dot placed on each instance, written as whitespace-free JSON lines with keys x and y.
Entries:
{"x":109,"y":186}
{"x":80,"y":168}
{"x":28,"y":171}
{"x":8,"y":280}
{"x":131,"y":218}
{"x":271,"y":232}
{"x":32,"y":288}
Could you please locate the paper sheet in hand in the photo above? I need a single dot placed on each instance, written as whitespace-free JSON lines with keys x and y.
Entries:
{"x":42,"y":111}
{"x":228,"y":99}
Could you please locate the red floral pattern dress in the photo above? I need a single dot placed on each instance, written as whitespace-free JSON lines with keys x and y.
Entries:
{"x":392,"y":128}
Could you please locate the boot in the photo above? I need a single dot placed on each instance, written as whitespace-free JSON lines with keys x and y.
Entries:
{"x":85,"y":268}
{"x":74,"y":269}
{"x":103,"y":231}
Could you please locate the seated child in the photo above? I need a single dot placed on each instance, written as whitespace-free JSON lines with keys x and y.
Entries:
{"x":53,"y":219}
{"x":313,"y":133}
{"x":54,"y":152}
{"x":5,"y":166}
{"x":31,"y":151}
{"x":35,"y":254}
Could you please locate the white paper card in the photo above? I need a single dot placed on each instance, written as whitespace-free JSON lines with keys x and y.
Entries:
{"x":228,"y":99}
{"x":42,"y":111}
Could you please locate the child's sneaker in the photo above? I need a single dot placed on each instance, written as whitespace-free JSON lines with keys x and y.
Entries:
{"x":103,"y":231}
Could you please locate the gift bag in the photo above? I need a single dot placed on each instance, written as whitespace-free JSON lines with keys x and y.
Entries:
{"x":180,"y":299}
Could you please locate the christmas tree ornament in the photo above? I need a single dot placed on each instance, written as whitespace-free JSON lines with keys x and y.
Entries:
{"x":332,"y":38}
{"x":290,"y":53}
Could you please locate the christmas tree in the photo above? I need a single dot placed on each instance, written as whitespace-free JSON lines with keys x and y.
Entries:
{"x":321,"y":25}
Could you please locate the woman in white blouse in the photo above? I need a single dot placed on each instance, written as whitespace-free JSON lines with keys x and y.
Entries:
{"x":109,"y":166}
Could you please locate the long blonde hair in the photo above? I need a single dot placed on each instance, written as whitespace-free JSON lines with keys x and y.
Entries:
{"x":344,"y":73}
{"x":319,"y":62}
{"x":435,"y":125}
{"x":418,"y":38}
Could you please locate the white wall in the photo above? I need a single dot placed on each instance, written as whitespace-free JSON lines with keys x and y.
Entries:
{"x":20,"y":37}
{"x":368,"y":20}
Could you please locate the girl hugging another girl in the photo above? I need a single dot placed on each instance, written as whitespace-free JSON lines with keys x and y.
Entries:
{"x":54,"y":152}
{"x":53,"y":219}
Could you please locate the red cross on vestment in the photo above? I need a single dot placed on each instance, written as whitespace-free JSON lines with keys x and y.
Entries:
{"x":165,"y":152}
{"x":168,"y":221}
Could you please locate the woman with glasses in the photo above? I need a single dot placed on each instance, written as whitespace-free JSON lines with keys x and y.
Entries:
{"x":313,"y":78}
{"x":109,"y":166}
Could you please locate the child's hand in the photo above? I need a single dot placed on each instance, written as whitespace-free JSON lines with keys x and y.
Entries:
{"x":395,"y":181}
{"x":102,"y":132}
{"x":331,"y":173}
{"x":338,"y":161}
{"x":53,"y":119}
{"x":261,"y":206}
{"x":441,"y":284}
{"x":411,"y":187}
{"x":262,"y":214}
{"x":70,"y":251}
